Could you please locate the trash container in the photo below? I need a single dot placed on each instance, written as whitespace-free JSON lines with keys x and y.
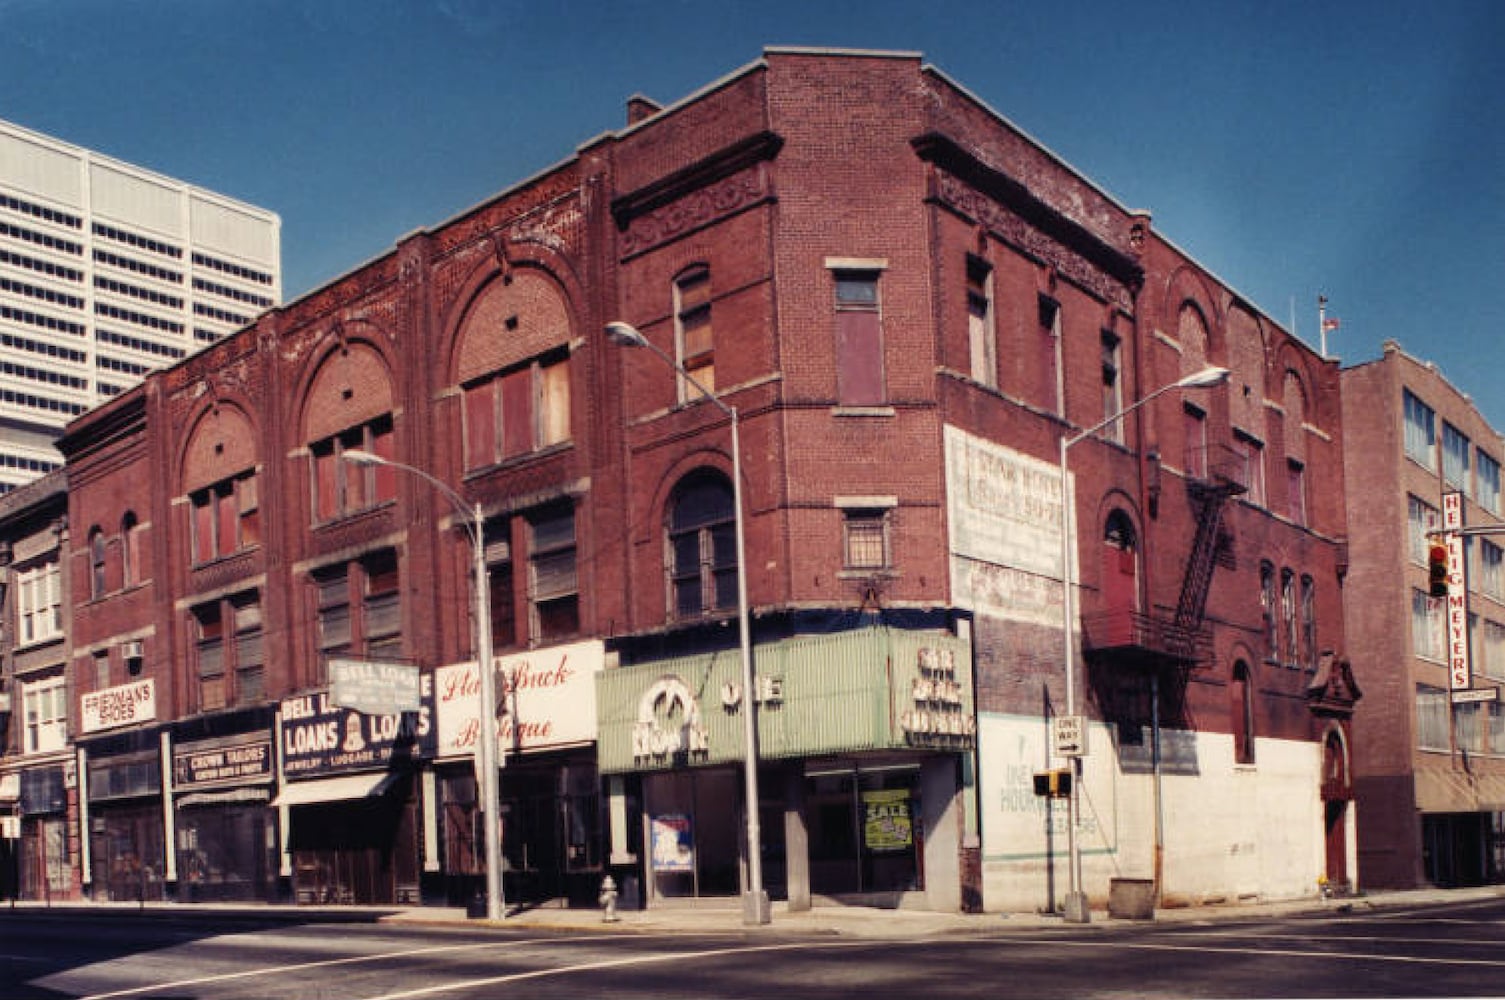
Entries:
{"x":1131,"y":898}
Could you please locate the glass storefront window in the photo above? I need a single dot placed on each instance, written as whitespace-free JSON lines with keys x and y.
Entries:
{"x":866,"y":830}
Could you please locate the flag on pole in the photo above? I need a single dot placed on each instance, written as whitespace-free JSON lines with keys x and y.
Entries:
{"x":1329,"y":323}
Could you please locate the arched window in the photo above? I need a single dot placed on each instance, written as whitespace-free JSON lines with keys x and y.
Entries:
{"x":1267,"y":606}
{"x":97,"y":551}
{"x":1241,"y":712}
{"x":130,"y":535}
{"x":702,"y":547}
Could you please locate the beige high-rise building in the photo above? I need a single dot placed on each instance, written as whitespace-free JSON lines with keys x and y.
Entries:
{"x":107,"y":271}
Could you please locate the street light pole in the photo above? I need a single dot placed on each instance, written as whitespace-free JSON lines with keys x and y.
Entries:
{"x":486,"y":760}
{"x":1076,"y":910}
{"x":755,"y":908}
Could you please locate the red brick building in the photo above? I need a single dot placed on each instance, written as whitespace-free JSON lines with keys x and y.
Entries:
{"x":910,"y":304}
{"x":1428,"y":774}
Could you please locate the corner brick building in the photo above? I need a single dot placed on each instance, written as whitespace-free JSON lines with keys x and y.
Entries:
{"x":909,"y":304}
{"x":1428,"y":774}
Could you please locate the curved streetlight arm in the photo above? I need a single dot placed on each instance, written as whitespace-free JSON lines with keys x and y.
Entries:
{"x":1210,"y":376}
{"x":470,"y":512}
{"x":625,"y":335}
{"x":486,"y":749}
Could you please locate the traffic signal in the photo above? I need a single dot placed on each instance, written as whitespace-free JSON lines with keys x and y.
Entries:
{"x":1055,"y":784}
{"x":1437,"y":569}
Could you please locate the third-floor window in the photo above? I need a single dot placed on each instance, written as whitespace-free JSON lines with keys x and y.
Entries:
{"x":226,"y":517}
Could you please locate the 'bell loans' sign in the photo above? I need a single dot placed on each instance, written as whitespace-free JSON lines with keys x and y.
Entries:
{"x":373,"y":687}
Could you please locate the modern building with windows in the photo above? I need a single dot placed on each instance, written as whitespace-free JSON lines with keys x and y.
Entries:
{"x":905,"y":307}
{"x":108,"y":271}
{"x":1429,"y":759}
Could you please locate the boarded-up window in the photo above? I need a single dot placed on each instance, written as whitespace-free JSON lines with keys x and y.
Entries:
{"x":859,"y":339}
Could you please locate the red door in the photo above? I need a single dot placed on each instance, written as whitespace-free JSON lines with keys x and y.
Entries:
{"x":1120,"y":587}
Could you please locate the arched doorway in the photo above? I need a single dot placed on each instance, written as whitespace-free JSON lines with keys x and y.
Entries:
{"x":1337,"y":791}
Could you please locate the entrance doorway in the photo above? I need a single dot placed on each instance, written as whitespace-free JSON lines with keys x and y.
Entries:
{"x":866,"y":830}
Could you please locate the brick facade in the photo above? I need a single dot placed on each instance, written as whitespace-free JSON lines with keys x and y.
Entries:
{"x":802,"y":178}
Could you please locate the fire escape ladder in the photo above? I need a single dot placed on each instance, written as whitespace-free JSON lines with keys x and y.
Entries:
{"x":1209,"y":501}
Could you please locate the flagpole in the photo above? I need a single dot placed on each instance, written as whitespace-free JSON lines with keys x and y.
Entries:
{"x":1322,"y":323}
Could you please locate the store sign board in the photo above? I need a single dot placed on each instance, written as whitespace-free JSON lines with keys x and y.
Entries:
{"x":374,"y":687}
{"x":1459,"y":668}
{"x":244,"y":762}
{"x":113,"y":707}
{"x":319,"y":736}
{"x":548,"y":699}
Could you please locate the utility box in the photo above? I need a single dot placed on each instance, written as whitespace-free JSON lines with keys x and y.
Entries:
{"x":1131,"y":898}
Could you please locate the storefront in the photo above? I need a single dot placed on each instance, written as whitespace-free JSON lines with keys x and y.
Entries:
{"x":121,"y":813}
{"x":44,"y":868}
{"x":864,"y":738}
{"x":347,"y":804}
{"x":223,"y":774}
{"x":549,"y":788}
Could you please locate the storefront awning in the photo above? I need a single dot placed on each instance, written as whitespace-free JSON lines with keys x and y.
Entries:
{"x":350,"y":786}
{"x":232,"y":796}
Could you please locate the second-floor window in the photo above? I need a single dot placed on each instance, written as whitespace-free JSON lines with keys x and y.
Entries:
{"x":39,"y":602}
{"x":702,"y":548}
{"x":1270,"y":612}
{"x":359,"y":609}
{"x":865,"y":539}
{"x":228,"y":647}
{"x":554,"y":585}
{"x":1421,"y":517}
{"x":44,"y":709}
{"x":1491,"y":569}
{"x":226,"y":517}
{"x":342,"y":487}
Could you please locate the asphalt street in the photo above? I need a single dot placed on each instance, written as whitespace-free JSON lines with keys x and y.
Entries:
{"x":1448,"y":949}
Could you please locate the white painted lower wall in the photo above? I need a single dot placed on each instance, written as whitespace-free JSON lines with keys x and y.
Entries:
{"x":1231,"y":832}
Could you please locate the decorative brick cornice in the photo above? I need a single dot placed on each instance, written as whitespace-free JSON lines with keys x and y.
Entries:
{"x":1008,"y":209}
{"x":724,"y":183}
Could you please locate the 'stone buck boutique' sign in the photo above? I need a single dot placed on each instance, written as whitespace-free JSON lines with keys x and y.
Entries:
{"x":548,"y":699}
{"x":319,"y":736}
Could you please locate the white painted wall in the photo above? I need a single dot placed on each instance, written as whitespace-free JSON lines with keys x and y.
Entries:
{"x":1231,"y":831}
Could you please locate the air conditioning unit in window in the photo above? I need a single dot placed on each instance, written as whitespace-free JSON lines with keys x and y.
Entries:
{"x":131,"y":650}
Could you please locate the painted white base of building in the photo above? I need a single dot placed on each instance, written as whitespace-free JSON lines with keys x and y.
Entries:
{"x":1231,"y":831}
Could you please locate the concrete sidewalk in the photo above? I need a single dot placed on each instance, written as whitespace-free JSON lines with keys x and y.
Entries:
{"x":852,"y":921}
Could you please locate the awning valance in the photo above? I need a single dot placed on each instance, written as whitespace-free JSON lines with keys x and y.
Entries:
{"x":343,"y":788}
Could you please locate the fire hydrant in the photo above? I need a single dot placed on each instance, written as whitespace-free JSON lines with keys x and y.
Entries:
{"x":609,"y":900}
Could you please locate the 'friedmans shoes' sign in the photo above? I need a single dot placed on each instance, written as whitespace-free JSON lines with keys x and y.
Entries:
{"x":113,"y":707}
{"x":318,"y":736}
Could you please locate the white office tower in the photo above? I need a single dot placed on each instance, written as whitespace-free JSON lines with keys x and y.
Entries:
{"x":106,"y":272}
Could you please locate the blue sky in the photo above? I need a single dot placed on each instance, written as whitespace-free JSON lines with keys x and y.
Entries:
{"x":1350,"y":148}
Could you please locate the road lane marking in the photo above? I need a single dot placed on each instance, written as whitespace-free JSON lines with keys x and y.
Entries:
{"x":618,"y":963}
{"x":1281,"y":952}
{"x":272,"y":970}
